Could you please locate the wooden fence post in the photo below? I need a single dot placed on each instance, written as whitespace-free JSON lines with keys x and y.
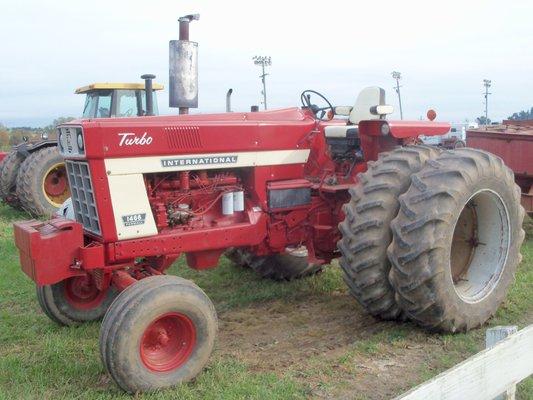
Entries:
{"x":493,"y":336}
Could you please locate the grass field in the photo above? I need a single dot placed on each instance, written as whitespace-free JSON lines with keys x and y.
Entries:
{"x":277,"y":340}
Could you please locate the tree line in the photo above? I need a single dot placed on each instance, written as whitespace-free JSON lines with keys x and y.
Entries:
{"x":13,"y":136}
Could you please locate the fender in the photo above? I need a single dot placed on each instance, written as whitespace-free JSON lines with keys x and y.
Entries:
{"x":403,"y":129}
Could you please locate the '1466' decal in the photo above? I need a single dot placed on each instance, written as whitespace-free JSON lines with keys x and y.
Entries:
{"x":134,"y":219}
{"x":131,"y":139}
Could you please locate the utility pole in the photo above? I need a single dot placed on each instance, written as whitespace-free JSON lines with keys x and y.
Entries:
{"x":397,"y":76}
{"x":487,"y":83}
{"x":263,"y":61}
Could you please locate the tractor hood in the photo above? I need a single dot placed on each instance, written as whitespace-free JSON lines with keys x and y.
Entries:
{"x":194,"y":133}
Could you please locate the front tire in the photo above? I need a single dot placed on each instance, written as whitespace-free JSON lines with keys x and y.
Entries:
{"x":158,"y":333}
{"x":366,"y":230}
{"x":74,"y":300}
{"x":457,"y":241}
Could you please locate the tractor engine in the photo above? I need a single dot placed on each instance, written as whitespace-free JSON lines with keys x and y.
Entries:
{"x":190,"y":200}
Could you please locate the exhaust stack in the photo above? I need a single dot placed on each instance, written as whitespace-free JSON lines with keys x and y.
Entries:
{"x":228,"y":100}
{"x":183,"y":68}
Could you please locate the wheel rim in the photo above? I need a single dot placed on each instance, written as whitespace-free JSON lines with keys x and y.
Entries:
{"x":55,"y":185}
{"x":81,"y":293}
{"x":168,"y":342}
{"x":480,"y":246}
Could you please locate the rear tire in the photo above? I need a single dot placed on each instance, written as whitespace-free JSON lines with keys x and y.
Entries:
{"x":8,"y":178}
{"x":158,"y":333}
{"x":74,"y":300}
{"x":366,"y":230}
{"x":279,"y":267}
{"x":42,"y":182}
{"x":457,"y":241}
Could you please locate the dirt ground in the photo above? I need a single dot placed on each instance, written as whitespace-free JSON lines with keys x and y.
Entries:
{"x":327,"y":340}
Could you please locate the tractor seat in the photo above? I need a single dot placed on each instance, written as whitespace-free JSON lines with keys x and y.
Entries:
{"x":370,"y":104}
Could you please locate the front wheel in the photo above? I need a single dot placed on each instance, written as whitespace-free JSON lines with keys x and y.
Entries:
{"x":74,"y":300}
{"x":158,"y":333}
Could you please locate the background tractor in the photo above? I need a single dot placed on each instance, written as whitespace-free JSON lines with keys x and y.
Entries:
{"x":33,"y":175}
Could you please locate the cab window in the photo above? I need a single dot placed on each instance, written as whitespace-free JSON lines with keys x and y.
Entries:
{"x":127,"y":103}
{"x":98,"y":104}
{"x":132,"y":103}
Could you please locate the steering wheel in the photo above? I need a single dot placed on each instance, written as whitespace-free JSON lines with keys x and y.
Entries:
{"x":319,"y":112}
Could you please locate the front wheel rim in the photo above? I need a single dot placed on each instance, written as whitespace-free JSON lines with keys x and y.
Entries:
{"x":168,"y":342}
{"x":81,"y":293}
{"x":480,"y":246}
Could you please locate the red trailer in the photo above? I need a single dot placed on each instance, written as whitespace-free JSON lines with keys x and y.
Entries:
{"x":513,"y":142}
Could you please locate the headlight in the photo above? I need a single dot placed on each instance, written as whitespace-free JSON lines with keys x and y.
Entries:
{"x":80,"y":141}
{"x":385,"y":129}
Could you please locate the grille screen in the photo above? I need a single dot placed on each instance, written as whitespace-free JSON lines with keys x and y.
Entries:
{"x":83,"y":201}
{"x":183,"y":137}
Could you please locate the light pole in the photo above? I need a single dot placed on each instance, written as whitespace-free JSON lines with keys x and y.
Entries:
{"x":486,"y":83}
{"x":263,"y":61}
{"x":397,"y":75}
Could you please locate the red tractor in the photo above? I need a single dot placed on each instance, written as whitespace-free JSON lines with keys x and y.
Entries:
{"x":427,"y":234}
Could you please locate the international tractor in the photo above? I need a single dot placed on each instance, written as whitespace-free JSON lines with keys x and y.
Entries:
{"x":419,"y":232}
{"x":33,"y":175}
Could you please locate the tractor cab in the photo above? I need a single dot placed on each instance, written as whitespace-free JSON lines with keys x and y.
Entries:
{"x":116,"y":100}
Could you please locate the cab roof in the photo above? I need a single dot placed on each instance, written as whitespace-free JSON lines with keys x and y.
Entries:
{"x":115,"y":85}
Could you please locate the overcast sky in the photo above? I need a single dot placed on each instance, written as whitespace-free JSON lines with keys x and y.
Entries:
{"x":444,"y":50}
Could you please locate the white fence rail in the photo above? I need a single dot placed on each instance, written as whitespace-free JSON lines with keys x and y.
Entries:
{"x":486,"y":375}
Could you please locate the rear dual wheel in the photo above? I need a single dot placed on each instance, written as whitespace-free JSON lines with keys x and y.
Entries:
{"x":158,"y":333}
{"x":456,"y":241}
{"x":366,"y":230}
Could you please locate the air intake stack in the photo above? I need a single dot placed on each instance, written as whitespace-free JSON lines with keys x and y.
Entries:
{"x":148,"y":88}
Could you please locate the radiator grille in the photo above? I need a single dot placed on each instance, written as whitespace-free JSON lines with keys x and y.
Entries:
{"x":81,"y":189}
{"x":183,"y":137}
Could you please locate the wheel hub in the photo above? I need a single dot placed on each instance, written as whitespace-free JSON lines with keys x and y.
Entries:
{"x":81,"y":292}
{"x":168,"y":342}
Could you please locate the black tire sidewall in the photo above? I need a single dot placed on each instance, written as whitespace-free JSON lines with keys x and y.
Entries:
{"x":33,"y":176}
{"x":483,"y":309}
{"x":8,"y":175}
